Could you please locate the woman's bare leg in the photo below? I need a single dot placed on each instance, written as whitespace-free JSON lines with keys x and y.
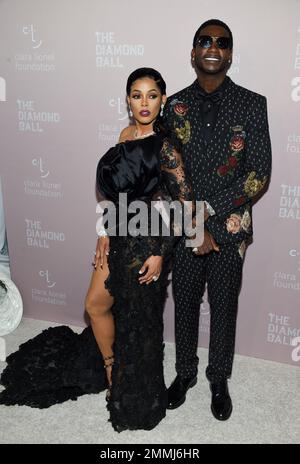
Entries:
{"x":98,"y":305}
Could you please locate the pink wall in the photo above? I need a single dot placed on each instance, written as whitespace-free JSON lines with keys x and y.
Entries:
{"x":65,"y":67}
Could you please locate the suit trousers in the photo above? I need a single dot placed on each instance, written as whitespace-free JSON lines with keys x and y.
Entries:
{"x":222,"y":271}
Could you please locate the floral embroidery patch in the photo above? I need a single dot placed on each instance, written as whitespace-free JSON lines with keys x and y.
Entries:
{"x":252,"y":185}
{"x":180,"y":108}
{"x":237,"y":144}
{"x":184,"y":133}
{"x":246,"y":221}
{"x":239,"y":201}
{"x":237,"y":141}
{"x":233,"y":223}
{"x":168,"y":158}
{"x":182,"y":126}
{"x":236,"y":222}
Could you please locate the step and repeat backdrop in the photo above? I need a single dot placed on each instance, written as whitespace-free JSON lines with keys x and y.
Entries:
{"x":63,"y":71}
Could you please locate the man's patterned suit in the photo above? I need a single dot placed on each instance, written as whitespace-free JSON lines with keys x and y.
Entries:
{"x":227,"y":170}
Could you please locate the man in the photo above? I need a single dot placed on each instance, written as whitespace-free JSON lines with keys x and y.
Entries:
{"x":226,"y":147}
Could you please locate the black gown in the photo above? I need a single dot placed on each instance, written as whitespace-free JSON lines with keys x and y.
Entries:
{"x":58,"y":365}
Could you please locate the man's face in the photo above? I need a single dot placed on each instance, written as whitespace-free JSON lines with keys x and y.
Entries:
{"x":212,"y":60}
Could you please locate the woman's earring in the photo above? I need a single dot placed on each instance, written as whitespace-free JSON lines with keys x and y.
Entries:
{"x":162,"y":109}
{"x":130,"y":112}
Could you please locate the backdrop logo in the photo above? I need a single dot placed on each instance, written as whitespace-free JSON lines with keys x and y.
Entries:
{"x":32,"y":33}
{"x":284,"y":280}
{"x":2,"y":89}
{"x":280,"y":330}
{"x":38,"y":162}
{"x":293,"y":143}
{"x":46,"y":276}
{"x":37,"y":237}
{"x":120,"y":106}
{"x":35,"y":60}
{"x":289,"y":280}
{"x":48,"y":295}
{"x":295,"y":254}
{"x":110,"y":54}
{"x":41,"y":187}
{"x":111,"y":132}
{"x":34,"y":121}
{"x":290,"y":202}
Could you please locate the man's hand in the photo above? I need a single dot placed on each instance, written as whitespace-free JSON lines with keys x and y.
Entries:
{"x":153,"y":265}
{"x":208,"y":244}
{"x":102,"y":249}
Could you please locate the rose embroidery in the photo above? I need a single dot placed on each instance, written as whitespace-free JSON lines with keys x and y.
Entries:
{"x":232,"y":161}
{"x":222,"y":170}
{"x":181,"y":109}
{"x":182,"y":127}
{"x":233,"y":223}
{"x":239,"y":201}
{"x":237,"y":143}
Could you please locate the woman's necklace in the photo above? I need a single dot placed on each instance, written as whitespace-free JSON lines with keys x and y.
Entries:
{"x":142,"y":136}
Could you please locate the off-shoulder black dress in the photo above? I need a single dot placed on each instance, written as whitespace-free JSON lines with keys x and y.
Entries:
{"x":58,"y":365}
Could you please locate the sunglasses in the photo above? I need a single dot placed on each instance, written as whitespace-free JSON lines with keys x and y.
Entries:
{"x":205,"y":41}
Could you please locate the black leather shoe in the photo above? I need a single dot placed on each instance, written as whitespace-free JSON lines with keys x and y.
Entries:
{"x":221,"y":405}
{"x":177,"y":391}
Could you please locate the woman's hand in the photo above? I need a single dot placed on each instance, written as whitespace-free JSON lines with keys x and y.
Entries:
{"x":153,"y":266}
{"x":102,"y":249}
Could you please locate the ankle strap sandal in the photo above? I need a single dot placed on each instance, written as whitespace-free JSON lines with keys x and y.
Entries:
{"x":109,"y":364}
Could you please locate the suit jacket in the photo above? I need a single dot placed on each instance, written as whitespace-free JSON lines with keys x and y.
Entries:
{"x":230,"y":170}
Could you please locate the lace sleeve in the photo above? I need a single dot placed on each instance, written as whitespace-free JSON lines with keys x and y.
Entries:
{"x":174,"y":173}
{"x":179,"y":188}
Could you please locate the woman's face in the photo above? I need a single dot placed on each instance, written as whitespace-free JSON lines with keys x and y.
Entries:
{"x":145,"y":100}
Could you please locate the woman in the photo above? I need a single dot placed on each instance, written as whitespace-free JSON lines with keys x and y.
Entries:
{"x":128,"y":287}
